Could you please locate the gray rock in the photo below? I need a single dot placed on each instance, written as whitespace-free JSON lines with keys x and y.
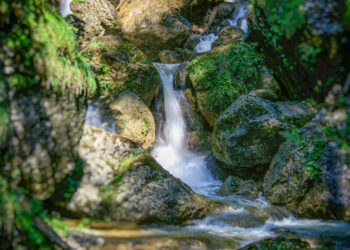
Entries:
{"x":250,"y":131}
{"x":124,"y":183}
{"x":46,"y":128}
{"x":310,"y":174}
{"x":235,"y":185}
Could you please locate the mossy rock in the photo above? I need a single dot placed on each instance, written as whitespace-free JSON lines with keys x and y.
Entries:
{"x":220,"y":76}
{"x":120,"y":66}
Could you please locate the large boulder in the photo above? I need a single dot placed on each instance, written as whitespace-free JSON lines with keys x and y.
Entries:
{"x":133,"y":119}
{"x":310,"y":174}
{"x":123,"y":183}
{"x":152,"y":25}
{"x":220,"y":76}
{"x":120,"y":66}
{"x":304,"y":42}
{"x":247,"y":135}
{"x":93,"y":18}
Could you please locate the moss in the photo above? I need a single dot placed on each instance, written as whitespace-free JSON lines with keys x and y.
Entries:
{"x":39,"y":50}
{"x":128,"y":68}
{"x":226,"y":73}
{"x":44,"y":46}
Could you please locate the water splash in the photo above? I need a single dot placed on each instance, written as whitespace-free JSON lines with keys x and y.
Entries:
{"x":64,"y":8}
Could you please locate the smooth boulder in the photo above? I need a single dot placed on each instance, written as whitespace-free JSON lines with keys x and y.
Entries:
{"x":133,"y":119}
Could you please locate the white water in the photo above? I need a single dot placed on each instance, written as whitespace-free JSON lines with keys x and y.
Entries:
{"x":170,"y":150}
{"x":205,"y":43}
{"x":64,"y":8}
{"x":240,"y":14}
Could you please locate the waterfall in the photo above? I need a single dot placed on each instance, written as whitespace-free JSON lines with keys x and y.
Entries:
{"x":64,"y":8}
{"x":170,"y":150}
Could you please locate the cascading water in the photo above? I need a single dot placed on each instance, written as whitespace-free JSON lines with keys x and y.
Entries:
{"x":240,"y":15}
{"x":170,"y":150}
{"x":205,"y":43}
{"x":64,"y":8}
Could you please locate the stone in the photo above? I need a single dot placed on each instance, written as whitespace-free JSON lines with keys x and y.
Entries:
{"x":94,"y":18}
{"x":228,"y":35}
{"x":47,"y":126}
{"x":130,"y":185}
{"x":220,"y":76}
{"x":310,"y":173}
{"x":120,"y":66}
{"x":236,"y":186}
{"x":152,"y":26}
{"x":191,"y":42}
{"x":169,"y":57}
{"x":134,"y":120}
{"x":249,"y":132}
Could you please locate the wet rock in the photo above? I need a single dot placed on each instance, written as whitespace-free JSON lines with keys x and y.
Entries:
{"x":130,"y":185}
{"x":133,"y":118}
{"x":249,"y":132}
{"x":228,"y":35}
{"x":279,"y":242}
{"x":235,"y":185}
{"x":94,"y":18}
{"x":120,"y":66}
{"x":46,"y":127}
{"x":169,"y":57}
{"x":191,"y":42}
{"x":155,"y":27}
{"x":310,"y":174}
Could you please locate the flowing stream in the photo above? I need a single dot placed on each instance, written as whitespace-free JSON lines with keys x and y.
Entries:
{"x":243,"y":220}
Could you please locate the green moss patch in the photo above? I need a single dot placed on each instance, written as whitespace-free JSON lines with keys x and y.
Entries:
{"x":226,"y":73}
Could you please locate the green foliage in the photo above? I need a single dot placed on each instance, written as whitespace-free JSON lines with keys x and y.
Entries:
{"x":313,"y":150}
{"x":347,"y":14}
{"x":44,"y":48}
{"x":125,"y":163}
{"x":14,"y":215}
{"x":226,"y":74}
